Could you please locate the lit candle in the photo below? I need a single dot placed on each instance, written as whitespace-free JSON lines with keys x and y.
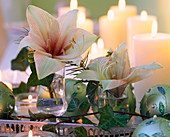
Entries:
{"x":124,"y":11}
{"x":25,"y":102}
{"x":84,"y":23}
{"x":30,"y":134}
{"x":97,"y":50}
{"x":110,"y":30}
{"x":9,"y":85}
{"x":137,"y":25}
{"x":73,"y":5}
{"x":30,"y":99}
{"x":35,"y":134}
{"x":101,"y":50}
{"x":149,"y":48}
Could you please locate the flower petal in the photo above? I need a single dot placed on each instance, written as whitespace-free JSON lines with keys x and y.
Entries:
{"x":83,"y":41}
{"x":39,"y":21}
{"x":111,"y":84}
{"x":88,"y":75}
{"x":142,"y":72}
{"x":121,"y":59}
{"x":46,"y":65}
{"x":27,"y":41}
{"x":67,"y":24}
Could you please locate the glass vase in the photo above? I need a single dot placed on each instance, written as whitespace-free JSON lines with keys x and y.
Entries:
{"x":105,"y":98}
{"x":52,"y":100}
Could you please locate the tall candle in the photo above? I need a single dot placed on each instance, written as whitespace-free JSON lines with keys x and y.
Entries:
{"x":124,"y":11}
{"x":110,"y":30}
{"x":137,"y":25}
{"x":73,"y":5}
{"x":152,"y":48}
{"x":84,"y":23}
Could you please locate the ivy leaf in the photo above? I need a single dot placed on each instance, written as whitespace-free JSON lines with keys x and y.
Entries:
{"x":107,"y":118}
{"x":21,"y":61}
{"x":50,"y":128}
{"x":122,"y":118}
{"x":91,"y":91}
{"x":74,"y":103}
{"x":87,"y":121}
{"x":41,"y":116}
{"x":23,"y":88}
{"x":82,"y":109}
{"x":34,"y":81}
{"x":80,"y":132}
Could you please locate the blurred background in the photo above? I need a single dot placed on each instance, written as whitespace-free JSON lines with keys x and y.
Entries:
{"x":12,"y":15}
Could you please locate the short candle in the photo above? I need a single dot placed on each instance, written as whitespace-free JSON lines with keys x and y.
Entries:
{"x":84,"y":23}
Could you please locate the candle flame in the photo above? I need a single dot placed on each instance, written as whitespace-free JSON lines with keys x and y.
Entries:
{"x":154,"y":29}
{"x":30,"y":134}
{"x":122,"y":4}
{"x":144,"y":15}
{"x":30,"y":97}
{"x":100,"y":43}
{"x":81,"y":18}
{"x":94,"y":48}
{"x":73,"y":4}
{"x":110,"y":15}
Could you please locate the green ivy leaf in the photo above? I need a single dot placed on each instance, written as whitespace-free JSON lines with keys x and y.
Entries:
{"x":82,"y":109}
{"x":50,"y":128}
{"x":74,"y":103}
{"x":91,"y":91}
{"x":41,"y":116}
{"x":34,"y":81}
{"x":87,"y":121}
{"x":23,"y":88}
{"x":21,"y":61}
{"x":107,"y":118}
{"x":80,"y":132}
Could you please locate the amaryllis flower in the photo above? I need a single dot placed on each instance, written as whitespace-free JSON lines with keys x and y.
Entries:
{"x":115,"y":71}
{"x":55,"y":40}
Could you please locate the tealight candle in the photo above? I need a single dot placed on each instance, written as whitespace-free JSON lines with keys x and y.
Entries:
{"x":35,"y":134}
{"x":124,"y":11}
{"x":110,"y":30}
{"x":73,"y":5}
{"x":84,"y":23}
{"x":149,"y":48}
{"x":137,"y":25}
{"x":25,"y":102}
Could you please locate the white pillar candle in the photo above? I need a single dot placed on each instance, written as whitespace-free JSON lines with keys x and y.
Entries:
{"x":73,"y":5}
{"x":137,"y":25}
{"x":152,"y":48}
{"x":124,"y":11}
{"x":110,"y":30}
{"x":84,"y":23}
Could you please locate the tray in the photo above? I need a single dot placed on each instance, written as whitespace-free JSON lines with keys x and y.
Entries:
{"x":11,"y":127}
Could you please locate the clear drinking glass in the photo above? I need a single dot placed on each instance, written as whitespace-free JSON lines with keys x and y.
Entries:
{"x":52,"y":100}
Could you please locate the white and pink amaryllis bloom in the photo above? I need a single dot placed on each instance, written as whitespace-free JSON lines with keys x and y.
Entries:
{"x":115,"y":71}
{"x":55,"y":40}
